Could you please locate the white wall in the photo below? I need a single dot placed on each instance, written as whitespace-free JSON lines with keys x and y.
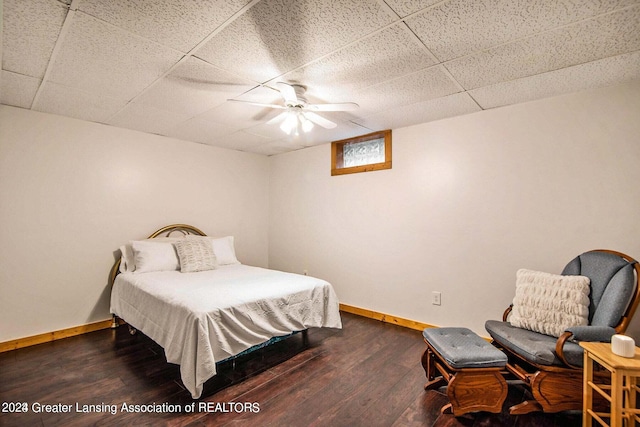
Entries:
{"x":469,"y":201}
{"x":72,"y":192}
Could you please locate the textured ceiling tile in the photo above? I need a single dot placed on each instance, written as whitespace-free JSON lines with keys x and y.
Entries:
{"x":407,"y":7}
{"x":102,"y":59}
{"x":589,"y":40}
{"x":17,"y":90}
{"x":422,"y":112}
{"x":600,"y":73}
{"x":274,"y":37}
{"x":271,"y":131}
{"x":67,"y":101}
{"x":277,"y":146}
{"x":459,"y":27}
{"x":28,"y":52}
{"x":244,"y":141}
{"x":420,"y":86}
{"x":179,"y":25}
{"x":193,"y":88}
{"x":240,"y":115}
{"x":383,"y":56}
{"x":203,"y":131}
{"x":147,"y":119}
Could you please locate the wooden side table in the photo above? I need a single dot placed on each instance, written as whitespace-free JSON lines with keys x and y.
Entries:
{"x":622,"y":391}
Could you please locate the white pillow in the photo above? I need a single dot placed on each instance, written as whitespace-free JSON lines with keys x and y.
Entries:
{"x":127,"y":258}
{"x":223,"y":247}
{"x":154,"y":256}
{"x":550,"y":303}
{"x":195,"y":255}
{"x":127,"y":262}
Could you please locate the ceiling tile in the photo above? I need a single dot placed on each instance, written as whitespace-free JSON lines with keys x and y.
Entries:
{"x":604,"y":72}
{"x":201,"y":130}
{"x":99,"y":58}
{"x":588,"y":40}
{"x":146,"y":118}
{"x":179,"y":25}
{"x":421,"y":112}
{"x":240,"y":115}
{"x":194,"y":87}
{"x":17,"y":90}
{"x":277,"y":147}
{"x":460,"y":27}
{"x":72,"y":102}
{"x":243,"y":141}
{"x":28,"y":52}
{"x":277,"y":36}
{"x":416,"y":87}
{"x":385,"y":55}
{"x":407,"y":7}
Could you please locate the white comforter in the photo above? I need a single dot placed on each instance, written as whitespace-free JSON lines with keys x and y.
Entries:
{"x":200,"y":318}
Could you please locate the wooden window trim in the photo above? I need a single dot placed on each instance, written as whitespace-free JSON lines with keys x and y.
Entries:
{"x":337,"y":148}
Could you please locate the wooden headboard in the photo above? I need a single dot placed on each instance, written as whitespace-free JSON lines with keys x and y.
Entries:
{"x":166,"y":231}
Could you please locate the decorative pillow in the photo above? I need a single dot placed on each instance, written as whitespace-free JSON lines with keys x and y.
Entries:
{"x":223,"y":247}
{"x":550,"y":303}
{"x":154,"y":256}
{"x":195,"y":255}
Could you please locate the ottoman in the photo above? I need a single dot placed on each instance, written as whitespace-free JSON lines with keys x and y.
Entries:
{"x":469,"y":366}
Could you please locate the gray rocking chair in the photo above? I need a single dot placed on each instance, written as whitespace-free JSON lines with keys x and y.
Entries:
{"x":552,"y":367}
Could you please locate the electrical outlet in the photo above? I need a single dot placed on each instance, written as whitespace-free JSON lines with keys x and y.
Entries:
{"x":436,"y":298}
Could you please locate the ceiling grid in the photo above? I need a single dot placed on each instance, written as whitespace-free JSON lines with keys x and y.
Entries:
{"x":169,"y":68}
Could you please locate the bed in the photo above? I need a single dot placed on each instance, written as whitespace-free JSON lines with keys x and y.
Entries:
{"x":190,"y":294}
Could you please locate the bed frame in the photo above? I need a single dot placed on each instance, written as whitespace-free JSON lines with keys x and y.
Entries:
{"x":185,"y":230}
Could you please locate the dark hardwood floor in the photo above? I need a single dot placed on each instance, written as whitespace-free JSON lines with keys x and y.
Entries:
{"x":367,"y":374}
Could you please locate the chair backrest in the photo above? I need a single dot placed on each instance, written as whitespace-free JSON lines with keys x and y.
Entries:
{"x":614,"y":286}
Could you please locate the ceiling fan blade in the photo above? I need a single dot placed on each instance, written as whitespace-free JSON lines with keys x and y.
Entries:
{"x":288,"y":93}
{"x":280,"y":117}
{"x":319,"y":120}
{"x":343,"y":106}
{"x":259,"y":104}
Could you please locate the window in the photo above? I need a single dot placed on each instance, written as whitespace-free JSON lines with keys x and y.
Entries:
{"x":364,"y":153}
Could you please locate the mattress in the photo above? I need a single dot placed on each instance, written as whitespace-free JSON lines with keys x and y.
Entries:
{"x":205,"y":317}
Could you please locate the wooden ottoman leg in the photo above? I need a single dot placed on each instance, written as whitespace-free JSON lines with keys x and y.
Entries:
{"x":429,"y":365}
{"x":473,"y":390}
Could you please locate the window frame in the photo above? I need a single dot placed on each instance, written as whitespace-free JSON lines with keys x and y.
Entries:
{"x":337,"y":150}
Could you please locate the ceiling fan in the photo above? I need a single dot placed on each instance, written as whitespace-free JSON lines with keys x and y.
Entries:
{"x":298,"y":112}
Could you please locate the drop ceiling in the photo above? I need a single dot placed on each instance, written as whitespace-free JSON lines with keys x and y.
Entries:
{"x":169,"y":67}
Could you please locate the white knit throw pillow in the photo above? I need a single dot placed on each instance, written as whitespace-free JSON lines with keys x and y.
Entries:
{"x":550,"y":303}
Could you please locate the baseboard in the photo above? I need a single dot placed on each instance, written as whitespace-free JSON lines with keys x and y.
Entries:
{"x":387,"y":318}
{"x":411,"y":324}
{"x":52,"y":336}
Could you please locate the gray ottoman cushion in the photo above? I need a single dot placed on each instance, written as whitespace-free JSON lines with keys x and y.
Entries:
{"x":462,"y":348}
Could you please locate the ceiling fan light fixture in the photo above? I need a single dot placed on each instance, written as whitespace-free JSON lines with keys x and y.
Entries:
{"x":307,"y":124}
{"x":298,"y":115}
{"x":290,"y":123}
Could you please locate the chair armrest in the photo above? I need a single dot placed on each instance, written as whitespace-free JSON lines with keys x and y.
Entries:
{"x":506,"y":312}
{"x":582,"y":333}
{"x":592,"y":333}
